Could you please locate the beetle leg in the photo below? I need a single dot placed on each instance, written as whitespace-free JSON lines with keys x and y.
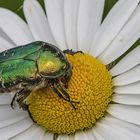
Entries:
{"x":61,"y":92}
{"x":55,"y":90}
{"x":55,"y":136}
{"x":65,"y":94}
{"x":19,"y":99}
{"x":14,"y":99}
{"x":71,"y":52}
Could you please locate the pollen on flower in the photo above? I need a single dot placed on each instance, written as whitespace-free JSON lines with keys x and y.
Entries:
{"x":90,"y":85}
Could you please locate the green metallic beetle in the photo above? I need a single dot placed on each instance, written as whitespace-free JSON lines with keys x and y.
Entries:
{"x":33,"y":66}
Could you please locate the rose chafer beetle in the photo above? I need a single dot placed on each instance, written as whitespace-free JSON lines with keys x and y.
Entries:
{"x":33,"y":66}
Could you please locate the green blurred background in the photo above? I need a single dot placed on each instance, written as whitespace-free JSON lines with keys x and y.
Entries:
{"x":15,"y":5}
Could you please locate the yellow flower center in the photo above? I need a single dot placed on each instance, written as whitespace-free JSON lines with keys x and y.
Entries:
{"x":90,"y":85}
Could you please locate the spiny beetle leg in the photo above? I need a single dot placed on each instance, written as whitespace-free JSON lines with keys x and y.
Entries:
{"x":55,"y":90}
{"x":63,"y":91}
{"x":71,"y":52}
{"x":55,"y":136}
{"x":61,"y":94}
{"x":14,"y":98}
{"x":19,"y":98}
{"x":24,"y":106}
{"x":65,"y":94}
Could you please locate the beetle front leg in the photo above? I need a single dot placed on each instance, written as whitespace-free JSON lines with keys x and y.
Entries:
{"x":66,"y":95}
{"x":19,"y":99}
{"x":55,"y":136}
{"x":58,"y":89}
{"x":13,"y":102}
{"x":55,"y":90}
{"x":71,"y":52}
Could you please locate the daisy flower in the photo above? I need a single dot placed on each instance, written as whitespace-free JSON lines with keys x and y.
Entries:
{"x":108,"y":95}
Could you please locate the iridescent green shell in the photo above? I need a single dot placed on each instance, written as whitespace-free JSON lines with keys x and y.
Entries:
{"x":18,"y":64}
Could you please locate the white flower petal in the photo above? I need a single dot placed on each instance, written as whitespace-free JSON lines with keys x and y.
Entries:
{"x":126,"y":99}
{"x":33,"y":133}
{"x":89,"y":20}
{"x":128,"y":126}
{"x":137,"y":10}
{"x":15,"y":27}
{"x":63,"y":137}
{"x":128,"y":89}
{"x":128,"y":77}
{"x":81,"y":135}
{"x":124,"y":40}
{"x":55,"y":9}
{"x":112,"y":25}
{"x":108,"y":133}
{"x":129,"y":61}
{"x":5,"y":36}
{"x":48,"y":136}
{"x":37,"y":21}
{"x":14,"y":129}
{"x":89,"y":133}
{"x":9,"y":121}
{"x":6,"y":112}
{"x":5,"y":99}
{"x":125,"y":112}
{"x":131,"y":130}
{"x":98,"y":136}
{"x":71,"y":8}
{"x":4,"y":44}
{"x":9,"y":116}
